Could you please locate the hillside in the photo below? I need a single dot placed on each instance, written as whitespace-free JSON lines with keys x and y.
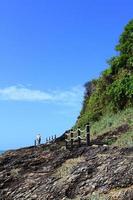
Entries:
{"x":50,"y":172}
{"x":110,"y":97}
{"x":101,"y":171}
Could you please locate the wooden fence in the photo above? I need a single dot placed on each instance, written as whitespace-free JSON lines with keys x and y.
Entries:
{"x":74,"y":137}
{"x":50,"y":139}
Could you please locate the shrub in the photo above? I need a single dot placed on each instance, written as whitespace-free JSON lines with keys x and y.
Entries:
{"x":113,"y":91}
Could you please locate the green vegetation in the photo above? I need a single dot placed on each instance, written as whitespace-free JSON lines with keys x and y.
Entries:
{"x":107,"y":97}
{"x":125,"y":140}
{"x":110,"y":122}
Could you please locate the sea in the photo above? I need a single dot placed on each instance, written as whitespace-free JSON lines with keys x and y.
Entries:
{"x":1,"y":152}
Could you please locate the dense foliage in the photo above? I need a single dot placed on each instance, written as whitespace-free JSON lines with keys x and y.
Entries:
{"x":113,"y":91}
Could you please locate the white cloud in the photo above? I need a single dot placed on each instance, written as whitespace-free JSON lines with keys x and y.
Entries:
{"x":20,"y":93}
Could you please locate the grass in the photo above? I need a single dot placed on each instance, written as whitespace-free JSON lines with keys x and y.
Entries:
{"x":15,"y":172}
{"x":65,"y":169}
{"x":110,"y":122}
{"x":125,"y":140}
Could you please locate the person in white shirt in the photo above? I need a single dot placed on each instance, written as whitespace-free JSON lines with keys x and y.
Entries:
{"x":38,"y":139}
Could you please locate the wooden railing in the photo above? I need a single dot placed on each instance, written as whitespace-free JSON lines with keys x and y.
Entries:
{"x":50,"y":139}
{"x":73,"y":137}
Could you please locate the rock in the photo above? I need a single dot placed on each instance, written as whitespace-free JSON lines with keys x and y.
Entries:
{"x":31,"y":173}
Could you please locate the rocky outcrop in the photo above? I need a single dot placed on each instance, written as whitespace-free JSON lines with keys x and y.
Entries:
{"x":50,"y":172}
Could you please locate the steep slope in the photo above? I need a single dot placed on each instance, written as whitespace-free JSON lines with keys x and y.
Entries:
{"x":111,"y":94}
{"x":51,"y":172}
{"x":113,"y":91}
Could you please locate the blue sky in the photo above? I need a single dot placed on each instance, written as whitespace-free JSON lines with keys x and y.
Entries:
{"x":48,"y":50}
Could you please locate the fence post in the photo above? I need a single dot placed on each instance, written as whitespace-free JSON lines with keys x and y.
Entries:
{"x":55,"y":137}
{"x":79,"y":139}
{"x":87,"y":134}
{"x":66,"y":140}
{"x":71,"y":140}
{"x":49,"y":139}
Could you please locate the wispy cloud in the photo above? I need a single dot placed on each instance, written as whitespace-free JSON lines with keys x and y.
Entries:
{"x":21,"y":93}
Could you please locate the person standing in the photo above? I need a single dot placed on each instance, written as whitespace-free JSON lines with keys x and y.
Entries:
{"x":38,"y":139}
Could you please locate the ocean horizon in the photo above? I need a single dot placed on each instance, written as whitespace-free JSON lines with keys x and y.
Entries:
{"x":1,"y":151}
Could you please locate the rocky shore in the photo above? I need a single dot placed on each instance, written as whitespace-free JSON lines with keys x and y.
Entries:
{"x":50,"y":172}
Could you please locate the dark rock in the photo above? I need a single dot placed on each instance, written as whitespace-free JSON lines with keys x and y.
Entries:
{"x":42,"y":173}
